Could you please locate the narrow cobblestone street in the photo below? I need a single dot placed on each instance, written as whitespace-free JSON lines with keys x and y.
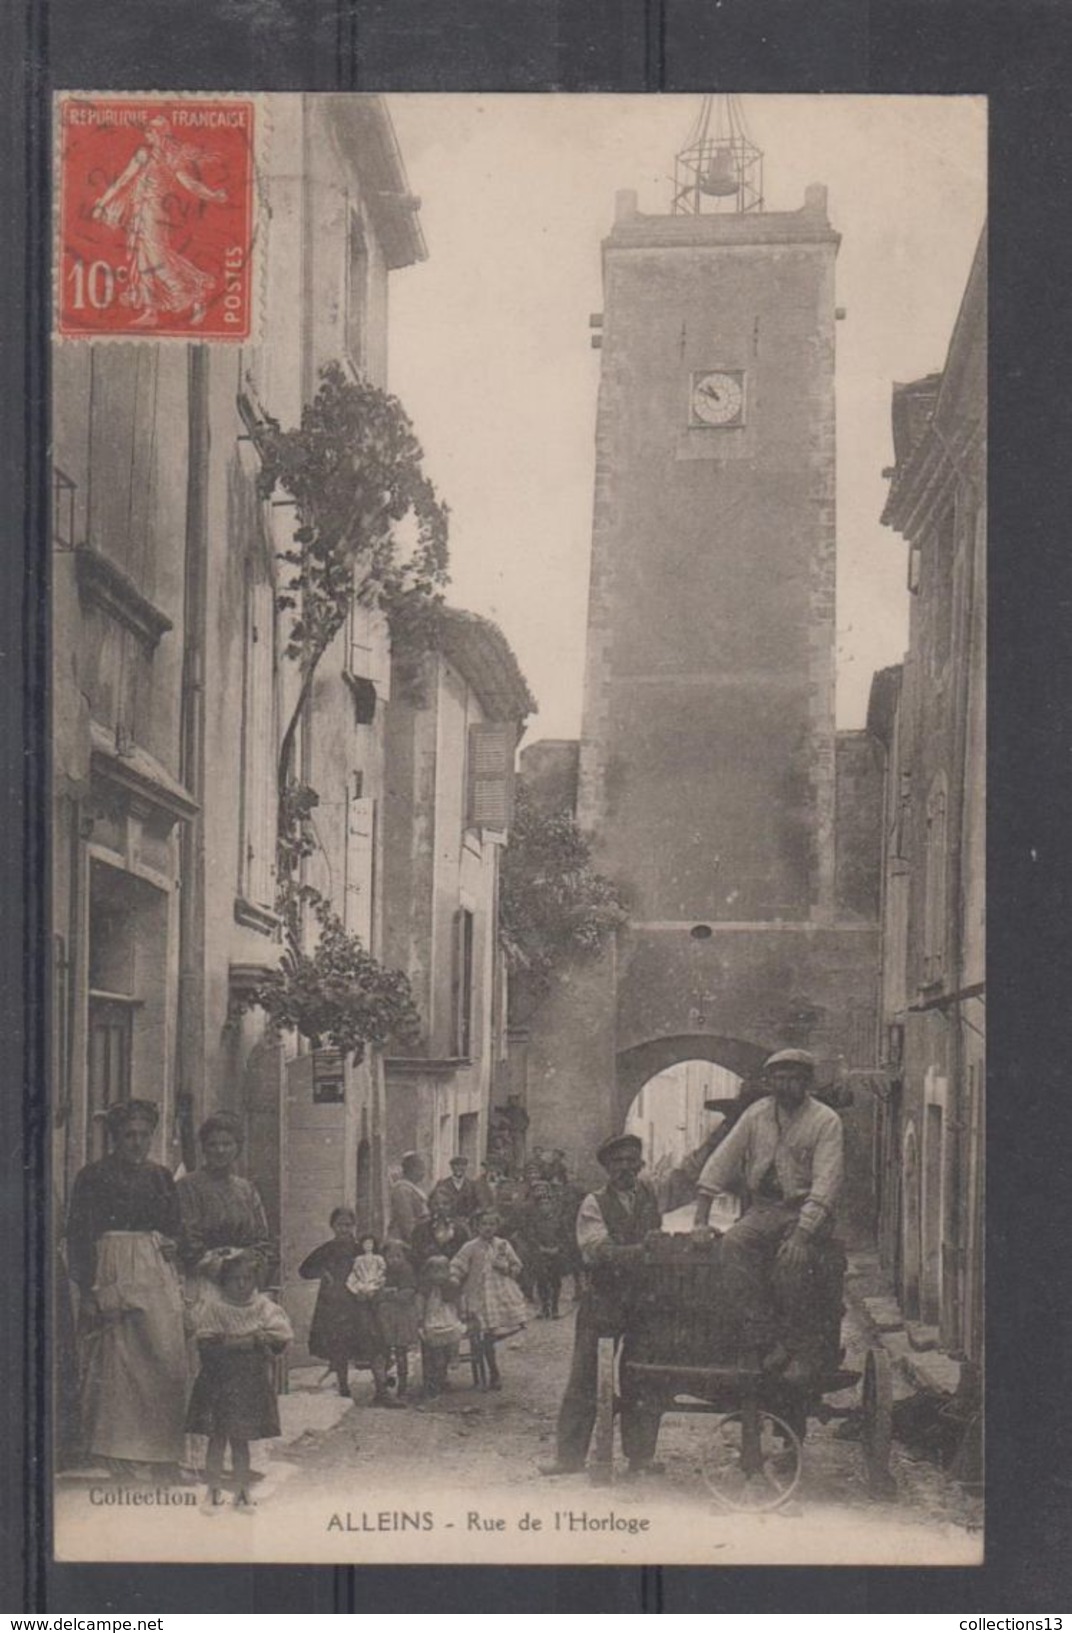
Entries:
{"x":483,"y":1449}
{"x":457,"y":1478}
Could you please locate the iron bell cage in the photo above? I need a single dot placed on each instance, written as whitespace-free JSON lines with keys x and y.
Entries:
{"x":720,"y":167}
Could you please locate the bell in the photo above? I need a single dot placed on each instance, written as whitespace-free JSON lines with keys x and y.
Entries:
{"x":721,"y":180}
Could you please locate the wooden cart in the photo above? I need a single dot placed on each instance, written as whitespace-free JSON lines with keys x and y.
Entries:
{"x":681,"y":1353}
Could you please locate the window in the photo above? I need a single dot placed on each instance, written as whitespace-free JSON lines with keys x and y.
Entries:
{"x":462,"y":983}
{"x":369,"y":648}
{"x":329,"y":1083}
{"x":257,"y":790}
{"x":491,"y":775}
{"x":914,"y":556}
{"x":360,"y":861}
{"x":469,"y":1138}
{"x":357,"y":272}
{"x":902,"y":819}
{"x":934,"y":900}
{"x":125,"y":1024}
{"x":111,"y":1022}
{"x":63,"y":498}
{"x":939,"y":592}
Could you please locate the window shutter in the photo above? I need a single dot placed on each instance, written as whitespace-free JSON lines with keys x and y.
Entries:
{"x":461,"y":984}
{"x":370,"y":648}
{"x":360,"y":837}
{"x":361,"y":663}
{"x":456,"y":959}
{"x":491,"y":774}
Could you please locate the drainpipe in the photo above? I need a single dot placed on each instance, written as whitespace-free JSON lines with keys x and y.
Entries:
{"x":954,"y":1242}
{"x":190,"y":1030}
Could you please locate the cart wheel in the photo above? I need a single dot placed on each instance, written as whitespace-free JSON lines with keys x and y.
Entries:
{"x":780,"y":1458}
{"x":876,"y":1427}
{"x":601,"y":1465}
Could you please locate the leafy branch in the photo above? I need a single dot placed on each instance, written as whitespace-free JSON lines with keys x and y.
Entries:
{"x":371,"y":529}
{"x":338,"y":994}
{"x":555,"y":909}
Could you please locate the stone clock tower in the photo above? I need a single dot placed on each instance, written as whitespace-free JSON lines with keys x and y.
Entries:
{"x":707,"y":751}
{"x":709,"y":756}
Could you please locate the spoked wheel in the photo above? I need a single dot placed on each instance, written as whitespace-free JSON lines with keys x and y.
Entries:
{"x":752,"y":1462}
{"x":876,"y":1424}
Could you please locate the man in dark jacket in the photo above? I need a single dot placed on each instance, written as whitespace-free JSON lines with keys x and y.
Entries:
{"x":612,"y":1226}
{"x":457,"y":1193}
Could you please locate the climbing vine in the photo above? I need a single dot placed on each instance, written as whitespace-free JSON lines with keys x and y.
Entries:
{"x":371,"y":530}
{"x":555,"y":908}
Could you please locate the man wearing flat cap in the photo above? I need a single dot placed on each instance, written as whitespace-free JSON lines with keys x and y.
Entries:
{"x":784,"y":1159}
{"x":612,"y":1226}
{"x":457,"y":1194}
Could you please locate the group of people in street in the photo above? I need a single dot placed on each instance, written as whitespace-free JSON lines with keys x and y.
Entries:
{"x":179,"y":1333}
{"x":459,"y":1264}
{"x":177,"y":1337}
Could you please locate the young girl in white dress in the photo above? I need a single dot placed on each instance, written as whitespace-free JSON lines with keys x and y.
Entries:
{"x":486,"y":1271}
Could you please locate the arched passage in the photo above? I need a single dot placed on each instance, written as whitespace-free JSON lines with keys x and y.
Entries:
{"x":674,"y":1115}
{"x":645,"y":1060}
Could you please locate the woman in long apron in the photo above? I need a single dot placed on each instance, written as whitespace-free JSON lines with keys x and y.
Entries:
{"x":121,"y":1244}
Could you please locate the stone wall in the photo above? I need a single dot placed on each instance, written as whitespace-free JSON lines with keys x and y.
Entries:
{"x":859,"y":825}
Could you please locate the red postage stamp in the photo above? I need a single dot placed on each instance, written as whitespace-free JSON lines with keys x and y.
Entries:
{"x":155,"y":223}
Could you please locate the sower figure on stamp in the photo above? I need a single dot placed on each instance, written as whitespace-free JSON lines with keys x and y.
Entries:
{"x":160,"y":279}
{"x":612,"y":1226}
{"x":784,"y":1159}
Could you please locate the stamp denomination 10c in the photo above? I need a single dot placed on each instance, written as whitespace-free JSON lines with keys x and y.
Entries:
{"x":155,"y":220}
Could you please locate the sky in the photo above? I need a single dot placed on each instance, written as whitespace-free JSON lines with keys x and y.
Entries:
{"x":490,"y":341}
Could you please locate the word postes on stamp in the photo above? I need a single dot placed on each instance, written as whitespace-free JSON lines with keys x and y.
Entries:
{"x":155,"y":223}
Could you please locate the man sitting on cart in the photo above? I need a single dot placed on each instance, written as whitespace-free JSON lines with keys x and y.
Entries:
{"x":612,"y":1226}
{"x":784,"y":1159}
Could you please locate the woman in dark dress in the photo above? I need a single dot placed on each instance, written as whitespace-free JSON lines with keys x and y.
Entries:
{"x":219,"y":1208}
{"x":331,"y":1330}
{"x":121,"y":1235}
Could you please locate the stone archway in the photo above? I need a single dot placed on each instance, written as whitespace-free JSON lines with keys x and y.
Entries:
{"x":635,"y":1066}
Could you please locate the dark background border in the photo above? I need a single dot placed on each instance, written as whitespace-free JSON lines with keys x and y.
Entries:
{"x":1015,"y":51}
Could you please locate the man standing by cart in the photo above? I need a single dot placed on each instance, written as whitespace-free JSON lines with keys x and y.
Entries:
{"x":784,"y":1158}
{"x":612,"y":1225}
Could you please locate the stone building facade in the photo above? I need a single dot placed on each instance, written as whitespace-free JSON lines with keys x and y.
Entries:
{"x":929,"y":715}
{"x":171,"y":693}
{"x":709,"y":757}
{"x":448,"y":798}
{"x":340,"y":221}
{"x":124,"y":798}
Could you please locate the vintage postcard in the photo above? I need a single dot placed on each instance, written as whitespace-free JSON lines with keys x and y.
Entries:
{"x":518,"y":736}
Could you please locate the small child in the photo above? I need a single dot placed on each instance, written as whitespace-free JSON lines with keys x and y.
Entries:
{"x":549,"y":1258}
{"x":396,"y":1307}
{"x":441,"y":1327}
{"x":486,"y":1270}
{"x":238,"y":1331}
{"x":330,"y":1331}
{"x":365,"y":1282}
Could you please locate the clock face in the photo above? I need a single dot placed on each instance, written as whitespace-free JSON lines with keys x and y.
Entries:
{"x":717,"y":398}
